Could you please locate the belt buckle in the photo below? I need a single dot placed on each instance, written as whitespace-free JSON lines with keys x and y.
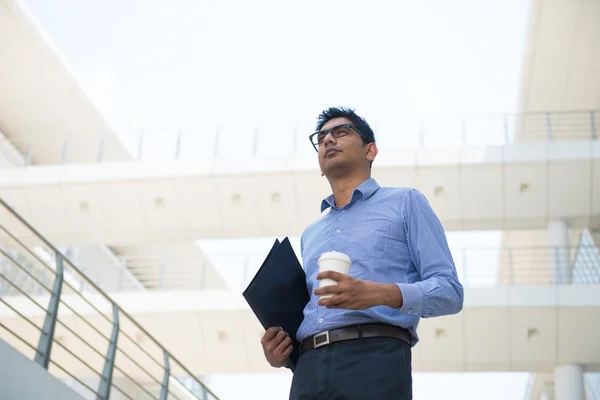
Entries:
{"x":318,"y":341}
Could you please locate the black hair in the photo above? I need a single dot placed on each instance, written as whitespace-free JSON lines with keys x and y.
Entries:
{"x":357,"y":121}
{"x":341,"y":112}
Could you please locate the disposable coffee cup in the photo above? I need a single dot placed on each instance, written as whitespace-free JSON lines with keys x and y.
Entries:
{"x":333,"y":261}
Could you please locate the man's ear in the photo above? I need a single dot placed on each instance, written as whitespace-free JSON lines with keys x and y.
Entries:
{"x":372,"y":151}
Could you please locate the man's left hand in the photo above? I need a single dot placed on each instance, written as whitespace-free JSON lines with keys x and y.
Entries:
{"x":356,"y":294}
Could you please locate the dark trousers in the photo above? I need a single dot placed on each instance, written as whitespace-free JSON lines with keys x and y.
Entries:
{"x":373,"y":368}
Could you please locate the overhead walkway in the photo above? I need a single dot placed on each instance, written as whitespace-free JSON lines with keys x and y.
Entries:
{"x":514,"y":187}
{"x":559,"y":73}
{"x":64,"y":322}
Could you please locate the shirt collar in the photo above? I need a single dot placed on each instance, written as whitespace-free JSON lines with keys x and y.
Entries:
{"x":364,"y":190}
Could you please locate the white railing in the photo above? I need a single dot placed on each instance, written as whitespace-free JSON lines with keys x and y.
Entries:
{"x":476,"y":267}
{"x":54,"y":314}
{"x":286,"y":139}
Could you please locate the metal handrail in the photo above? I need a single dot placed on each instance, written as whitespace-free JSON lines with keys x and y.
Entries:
{"x":51,"y":319}
{"x":417,"y":132}
{"x":476,"y":267}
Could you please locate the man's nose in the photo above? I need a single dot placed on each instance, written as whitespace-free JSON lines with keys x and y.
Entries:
{"x":329,"y":139}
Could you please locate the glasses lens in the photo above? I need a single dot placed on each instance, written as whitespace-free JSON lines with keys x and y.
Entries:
{"x":340,"y":131}
{"x":320,"y":137}
{"x":337,"y":132}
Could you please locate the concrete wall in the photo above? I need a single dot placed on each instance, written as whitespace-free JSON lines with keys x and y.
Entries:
{"x":17,"y":373}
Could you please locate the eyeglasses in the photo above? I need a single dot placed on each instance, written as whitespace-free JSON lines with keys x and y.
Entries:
{"x":337,"y":132}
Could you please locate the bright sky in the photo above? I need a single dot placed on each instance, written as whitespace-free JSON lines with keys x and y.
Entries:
{"x":198,"y":62}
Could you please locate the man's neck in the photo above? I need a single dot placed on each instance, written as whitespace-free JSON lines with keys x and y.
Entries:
{"x":343,"y":188}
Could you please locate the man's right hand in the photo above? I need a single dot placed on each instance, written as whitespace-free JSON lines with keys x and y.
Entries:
{"x":277,"y":346}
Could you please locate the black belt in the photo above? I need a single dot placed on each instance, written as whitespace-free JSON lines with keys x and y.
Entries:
{"x":355,"y":332}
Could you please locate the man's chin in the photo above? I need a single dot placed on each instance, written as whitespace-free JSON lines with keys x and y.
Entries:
{"x":333,"y":169}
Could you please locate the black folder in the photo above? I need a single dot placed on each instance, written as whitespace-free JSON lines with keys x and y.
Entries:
{"x":278,"y":294}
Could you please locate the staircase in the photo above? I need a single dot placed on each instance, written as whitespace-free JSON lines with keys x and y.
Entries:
{"x":103,"y":353}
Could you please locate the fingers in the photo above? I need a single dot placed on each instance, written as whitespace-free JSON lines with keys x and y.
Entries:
{"x":332,"y":289}
{"x":277,"y":346}
{"x":285,"y":344}
{"x":336,"y":276}
{"x":270,"y":334}
{"x":286,"y":353}
{"x":334,"y":301}
{"x":272,"y":338}
{"x":280,"y":337}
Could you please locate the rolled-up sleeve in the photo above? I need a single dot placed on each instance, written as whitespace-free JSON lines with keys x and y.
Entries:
{"x":438,"y":292}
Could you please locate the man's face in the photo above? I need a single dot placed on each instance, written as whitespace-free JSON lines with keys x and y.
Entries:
{"x":344,"y":153}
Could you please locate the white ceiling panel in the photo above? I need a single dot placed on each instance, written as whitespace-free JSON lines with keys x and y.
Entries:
{"x":85,"y":208}
{"x":493,"y":324}
{"x":441,"y":187}
{"x":444,"y":338}
{"x":198,"y":202}
{"x":580,"y":323}
{"x":569,"y":189}
{"x":532,"y":335}
{"x":122,"y":207}
{"x":48,"y":209}
{"x":224,"y":339}
{"x":237,"y":202}
{"x":277,"y":200}
{"x":160,"y":204}
{"x":525,"y":191}
{"x":482,"y":191}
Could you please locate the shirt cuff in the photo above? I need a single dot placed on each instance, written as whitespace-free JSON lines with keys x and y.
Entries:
{"x":412,"y":298}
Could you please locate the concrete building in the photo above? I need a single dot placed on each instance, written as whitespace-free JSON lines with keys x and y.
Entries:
{"x":132,"y":226}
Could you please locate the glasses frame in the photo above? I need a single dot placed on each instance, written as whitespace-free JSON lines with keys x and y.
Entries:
{"x":330,"y":131}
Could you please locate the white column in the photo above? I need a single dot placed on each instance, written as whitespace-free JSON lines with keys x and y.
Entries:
{"x":558,"y":240}
{"x":568,"y":382}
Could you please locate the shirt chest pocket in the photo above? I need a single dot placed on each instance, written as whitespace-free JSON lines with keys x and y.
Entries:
{"x":369,"y":240}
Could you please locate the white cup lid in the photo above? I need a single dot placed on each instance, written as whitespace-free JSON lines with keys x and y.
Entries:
{"x":335,"y":255}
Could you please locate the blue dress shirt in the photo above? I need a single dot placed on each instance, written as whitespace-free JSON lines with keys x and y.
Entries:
{"x":392,"y":235}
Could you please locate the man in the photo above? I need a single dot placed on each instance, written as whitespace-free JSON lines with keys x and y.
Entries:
{"x":357,"y":344}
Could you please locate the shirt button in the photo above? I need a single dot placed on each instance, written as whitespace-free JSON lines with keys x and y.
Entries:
{"x":343,"y":211}
{"x":410,"y":310}
{"x":321,"y":320}
{"x":337,"y":231}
